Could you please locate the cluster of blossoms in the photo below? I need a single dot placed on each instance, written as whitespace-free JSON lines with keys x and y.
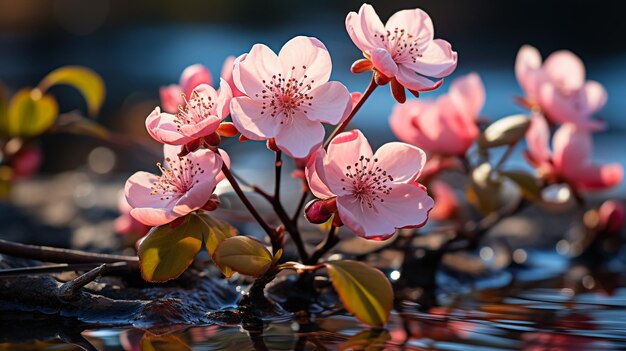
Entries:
{"x":285,"y":99}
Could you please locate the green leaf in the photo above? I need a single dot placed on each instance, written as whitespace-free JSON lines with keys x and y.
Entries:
{"x":216,"y":231}
{"x":528,"y":184}
{"x":76,"y":124}
{"x":86,"y":81}
{"x":370,"y":340}
{"x":505,"y":131}
{"x":243,"y":255}
{"x":484,"y":192}
{"x":167,"y":250}
{"x":167,"y":342}
{"x":30,"y":113}
{"x":365,"y":291}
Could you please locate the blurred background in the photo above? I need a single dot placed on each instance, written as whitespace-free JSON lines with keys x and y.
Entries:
{"x":139,"y":46}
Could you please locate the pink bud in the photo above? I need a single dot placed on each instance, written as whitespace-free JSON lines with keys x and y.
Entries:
{"x":612,"y":215}
{"x":26,"y":162}
{"x":319,"y":211}
{"x":361,"y":66}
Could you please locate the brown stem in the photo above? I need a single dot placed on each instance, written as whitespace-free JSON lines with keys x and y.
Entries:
{"x":58,"y":268}
{"x":278,"y":165}
{"x":296,"y":215}
{"x":506,"y":155}
{"x":340,"y":128}
{"x":331,"y":240}
{"x":268,"y":230}
{"x":53,"y":254}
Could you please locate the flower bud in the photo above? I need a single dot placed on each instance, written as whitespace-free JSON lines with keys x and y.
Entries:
{"x":361,"y":66}
{"x":227,"y":129}
{"x":380,"y":79}
{"x":319,"y":211}
{"x":212,"y":204}
{"x":612,"y":215}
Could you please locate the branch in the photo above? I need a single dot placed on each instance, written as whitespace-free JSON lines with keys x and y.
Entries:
{"x":53,"y":254}
{"x":331,"y":240}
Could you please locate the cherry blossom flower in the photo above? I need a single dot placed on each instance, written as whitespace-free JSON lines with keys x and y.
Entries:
{"x":570,"y":159}
{"x":198,"y":117}
{"x":375,"y":192}
{"x":185,"y":185}
{"x":404,"y":48}
{"x":288,"y":96}
{"x":446,"y":203}
{"x":559,"y":87}
{"x":446,"y":126}
{"x":192,"y":76}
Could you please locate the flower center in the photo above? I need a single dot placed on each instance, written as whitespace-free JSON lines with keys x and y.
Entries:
{"x":285,"y":95}
{"x":367,"y":181}
{"x":401,"y":45}
{"x":177,"y":179}
{"x":196,"y":109}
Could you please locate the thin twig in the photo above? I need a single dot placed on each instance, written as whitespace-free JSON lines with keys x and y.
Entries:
{"x":331,"y":240}
{"x":242,"y":196}
{"x":506,"y":155}
{"x":57,"y":255}
{"x":296,"y":215}
{"x":278,"y":165}
{"x":68,"y":290}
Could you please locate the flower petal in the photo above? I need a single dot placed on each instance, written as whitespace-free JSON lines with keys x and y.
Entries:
{"x":438,"y":60}
{"x":261,"y":64}
{"x":383,"y":61}
{"x":224,"y":95}
{"x":329,"y":103}
{"x":528,"y":70}
{"x":412,"y":81}
{"x":403,"y":121}
{"x":595,"y":97}
{"x":162,"y":127}
{"x":362,"y":26}
{"x":299,"y":136}
{"x":315,"y":177}
{"x":153,"y":217}
{"x":415,"y":22}
{"x":537,"y":138}
{"x":250,"y":121}
{"x":565,"y":70}
{"x":401,"y":161}
{"x":406,"y":205}
{"x":193,"y":76}
{"x":468,"y":95}
{"x":171,"y":98}
{"x":204,"y":177}
{"x":343,"y":153}
{"x":302,"y":56}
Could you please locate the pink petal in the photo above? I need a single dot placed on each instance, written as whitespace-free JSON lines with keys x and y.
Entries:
{"x":344,"y":151}
{"x":565,"y":70}
{"x":528,"y":70}
{"x":411,"y":80}
{"x":227,"y":70}
{"x":595,"y":97}
{"x":203,"y":128}
{"x":236,"y":76}
{"x":362,"y":26}
{"x":171,"y":98}
{"x":302,"y":56}
{"x":596,"y":177}
{"x":153,"y":217}
{"x":261,"y":64}
{"x":315,"y":177}
{"x":468,"y":95}
{"x":537,"y":138}
{"x":162,"y":127}
{"x":383,"y":61}
{"x":226,"y":161}
{"x":299,"y":136}
{"x":329,"y":103}
{"x":193,"y":76}
{"x":171,"y":152}
{"x":446,"y":201}
{"x":569,"y":108}
{"x":415,"y":22}
{"x":406,"y":205}
{"x":402,"y":120}
{"x":438,"y":60}
{"x":401,"y":161}
{"x":224,"y":95}
{"x":247,"y":117}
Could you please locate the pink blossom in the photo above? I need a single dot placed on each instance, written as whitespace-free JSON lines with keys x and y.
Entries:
{"x":26,"y":162}
{"x":446,"y":126}
{"x":570,"y":159}
{"x":559,"y":87}
{"x":125,"y":224}
{"x":186,"y":184}
{"x":403,"y":48}
{"x":375,"y":192}
{"x":198,"y":117}
{"x":192,"y":76}
{"x":227,"y":73}
{"x":288,"y":96}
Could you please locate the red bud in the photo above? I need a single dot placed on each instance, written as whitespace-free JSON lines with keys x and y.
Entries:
{"x":361,"y":66}
{"x":213,"y":140}
{"x":243,"y":138}
{"x":380,"y":79}
{"x":612,"y":215}
{"x":227,"y":129}
{"x":319,"y":211}
{"x":271,"y":144}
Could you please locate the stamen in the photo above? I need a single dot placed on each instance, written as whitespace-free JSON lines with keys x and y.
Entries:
{"x":367,"y":181}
